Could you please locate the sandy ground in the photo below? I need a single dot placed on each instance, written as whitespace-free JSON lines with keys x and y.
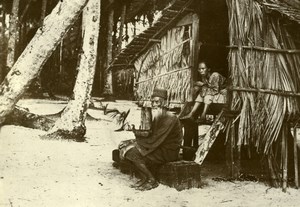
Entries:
{"x":35,"y":172}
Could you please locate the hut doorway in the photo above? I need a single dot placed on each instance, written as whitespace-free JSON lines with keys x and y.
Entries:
{"x":213,"y":41}
{"x":213,"y":35}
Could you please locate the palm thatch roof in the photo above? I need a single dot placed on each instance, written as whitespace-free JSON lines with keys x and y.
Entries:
{"x":137,"y":8}
{"x":288,"y":8}
{"x":143,"y":41}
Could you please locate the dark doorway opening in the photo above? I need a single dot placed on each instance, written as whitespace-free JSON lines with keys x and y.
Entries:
{"x":213,"y":35}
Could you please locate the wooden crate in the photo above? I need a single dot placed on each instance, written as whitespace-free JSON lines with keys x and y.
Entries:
{"x":180,"y":175}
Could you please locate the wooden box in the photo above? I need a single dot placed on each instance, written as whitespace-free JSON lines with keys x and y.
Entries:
{"x":180,"y":175}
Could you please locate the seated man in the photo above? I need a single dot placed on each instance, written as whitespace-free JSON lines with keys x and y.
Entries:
{"x":209,"y":87}
{"x":160,"y":146}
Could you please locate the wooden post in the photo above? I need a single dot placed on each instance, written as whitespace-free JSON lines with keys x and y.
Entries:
{"x":232,"y":150}
{"x":190,"y":139}
{"x":228,"y":148}
{"x":273,"y":173}
{"x":146,"y":118}
{"x":237,"y":169}
{"x":296,"y":158}
{"x":284,"y":158}
{"x":195,"y":51}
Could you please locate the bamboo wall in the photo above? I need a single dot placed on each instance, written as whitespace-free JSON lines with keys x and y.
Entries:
{"x":167,"y":65}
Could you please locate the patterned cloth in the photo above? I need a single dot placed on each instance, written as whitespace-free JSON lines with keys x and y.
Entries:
{"x":214,"y":90}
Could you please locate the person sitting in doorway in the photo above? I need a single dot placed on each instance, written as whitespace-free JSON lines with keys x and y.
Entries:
{"x":161,"y":146}
{"x":208,"y":87}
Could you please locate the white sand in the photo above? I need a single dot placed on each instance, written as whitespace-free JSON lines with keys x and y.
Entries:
{"x":35,"y":172}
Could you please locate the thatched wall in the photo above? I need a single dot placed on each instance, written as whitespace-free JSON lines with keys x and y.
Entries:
{"x":264,"y":66}
{"x":168,"y":64}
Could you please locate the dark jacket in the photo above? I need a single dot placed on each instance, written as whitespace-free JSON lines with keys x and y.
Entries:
{"x":164,"y":142}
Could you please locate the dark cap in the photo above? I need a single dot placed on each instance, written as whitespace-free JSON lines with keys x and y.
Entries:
{"x":159,"y":92}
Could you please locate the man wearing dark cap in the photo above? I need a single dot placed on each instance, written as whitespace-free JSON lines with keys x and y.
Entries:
{"x":161,"y":146}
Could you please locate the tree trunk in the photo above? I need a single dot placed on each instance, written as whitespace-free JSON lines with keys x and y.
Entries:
{"x":2,"y":42}
{"x":13,"y":35}
{"x":71,"y":125}
{"x":37,"y":52}
{"x":122,"y":21}
{"x":36,"y":86}
{"x":25,"y":10}
{"x":39,"y":79}
{"x":107,"y":74}
{"x":21,"y":117}
{"x":43,"y":13}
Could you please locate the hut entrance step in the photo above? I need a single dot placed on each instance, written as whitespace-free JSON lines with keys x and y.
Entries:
{"x":198,"y":139}
{"x":206,"y":141}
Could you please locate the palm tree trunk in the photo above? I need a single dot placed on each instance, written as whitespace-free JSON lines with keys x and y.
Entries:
{"x":13,"y":35}
{"x":39,"y":79}
{"x":71,"y":125}
{"x":107,"y":75}
{"x":43,"y":13}
{"x":2,"y":42}
{"x":122,"y":21}
{"x":37,"y":52}
{"x":25,"y":10}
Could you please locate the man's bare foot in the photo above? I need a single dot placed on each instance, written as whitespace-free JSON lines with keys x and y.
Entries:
{"x":148,"y":185}
{"x":138,"y":183}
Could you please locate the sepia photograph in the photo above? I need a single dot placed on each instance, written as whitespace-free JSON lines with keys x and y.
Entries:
{"x":149,"y":103}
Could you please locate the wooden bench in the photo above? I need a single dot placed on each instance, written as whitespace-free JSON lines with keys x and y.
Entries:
{"x":179,"y":175}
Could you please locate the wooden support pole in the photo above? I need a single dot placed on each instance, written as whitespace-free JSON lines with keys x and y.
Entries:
{"x":296,"y":158}
{"x":273,"y":173}
{"x":284,"y":158}
{"x":231,"y":152}
{"x":265,"y":49}
{"x":238,"y":161}
{"x":228,"y":146}
{"x":146,"y":118}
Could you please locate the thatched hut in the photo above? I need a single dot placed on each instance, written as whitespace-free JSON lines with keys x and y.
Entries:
{"x":255,"y":43}
{"x":264,"y":62}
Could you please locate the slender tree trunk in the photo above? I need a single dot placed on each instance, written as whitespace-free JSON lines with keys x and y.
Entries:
{"x":107,"y":75}
{"x":25,"y":10}
{"x":122,"y":21}
{"x":71,"y":125}
{"x":13,"y":35}
{"x":39,"y":79}
{"x":2,"y":42}
{"x":37,"y":52}
{"x":114,"y":37}
{"x":44,"y":9}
